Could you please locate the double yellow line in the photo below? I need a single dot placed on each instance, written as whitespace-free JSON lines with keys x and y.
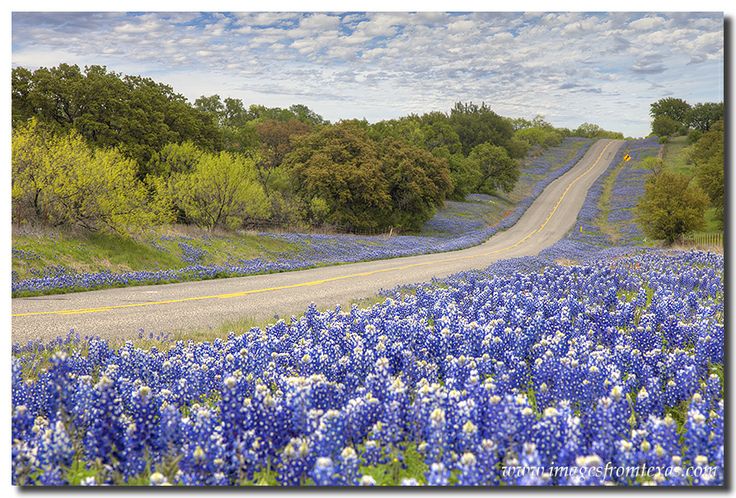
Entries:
{"x":311,"y":283}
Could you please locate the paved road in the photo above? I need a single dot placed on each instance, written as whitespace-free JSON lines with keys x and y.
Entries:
{"x":121,"y":313}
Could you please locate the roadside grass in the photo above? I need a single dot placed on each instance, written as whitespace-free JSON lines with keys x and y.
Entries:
{"x":84,"y":252}
{"x":675,"y":156}
{"x":604,"y":204}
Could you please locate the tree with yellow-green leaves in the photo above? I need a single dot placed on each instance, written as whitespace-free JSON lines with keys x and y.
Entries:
{"x":59,"y":180}
{"x":221,"y":190}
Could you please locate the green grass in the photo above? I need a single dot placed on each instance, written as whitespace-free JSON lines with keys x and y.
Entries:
{"x":393,"y":472}
{"x":88,"y":252}
{"x":82,"y":252}
{"x":604,"y":204}
{"x":675,"y":156}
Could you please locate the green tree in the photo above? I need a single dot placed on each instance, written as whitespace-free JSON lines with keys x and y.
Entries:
{"x":212,"y":106}
{"x":407,"y":129}
{"x":520,"y":123}
{"x":306,"y":115}
{"x":537,"y":122}
{"x":32,"y":171}
{"x":702,"y":116}
{"x":175,"y":158}
{"x":707,"y":155}
{"x":590,"y":130}
{"x":518,"y":147}
{"x":136,"y":115}
{"x":438,"y":132}
{"x":221,"y":190}
{"x":674,"y":108}
{"x":275,"y":142}
{"x":709,"y":145}
{"x":21,"y":92}
{"x":418,"y":182}
{"x":464,"y":173}
{"x":234,"y":114}
{"x":540,"y":136}
{"x":477,"y":124}
{"x":340,"y":164}
{"x":318,"y":210}
{"x":664,"y":126}
{"x":498,"y":171}
{"x":364,"y":184}
{"x":672,"y":205}
{"x":299,"y":112}
{"x":693,"y":136}
{"x":710,"y":176}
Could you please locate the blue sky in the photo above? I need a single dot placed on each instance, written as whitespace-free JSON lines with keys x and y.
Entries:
{"x":569,"y":67}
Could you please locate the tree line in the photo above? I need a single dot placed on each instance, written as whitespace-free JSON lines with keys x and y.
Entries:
{"x":675,"y":203}
{"x":108,"y":151}
{"x":673,"y":117}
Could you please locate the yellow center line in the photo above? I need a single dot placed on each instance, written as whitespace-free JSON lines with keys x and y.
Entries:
{"x":81,"y":311}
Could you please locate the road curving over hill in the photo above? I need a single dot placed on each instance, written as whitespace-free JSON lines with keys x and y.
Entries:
{"x":122,"y":312}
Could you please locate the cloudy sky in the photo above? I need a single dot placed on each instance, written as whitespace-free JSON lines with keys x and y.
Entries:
{"x":569,"y":67}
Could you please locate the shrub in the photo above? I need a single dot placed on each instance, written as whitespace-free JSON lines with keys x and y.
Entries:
{"x":464,"y":173}
{"x":319,"y":210}
{"x":174,"y":158}
{"x":417,"y":183}
{"x":540,"y":136}
{"x":707,"y":155}
{"x":518,"y":147}
{"x":694,"y":136}
{"x":672,"y":206}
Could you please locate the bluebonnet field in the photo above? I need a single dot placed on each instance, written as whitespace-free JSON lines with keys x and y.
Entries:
{"x":615,"y":360}
{"x":457,"y":226}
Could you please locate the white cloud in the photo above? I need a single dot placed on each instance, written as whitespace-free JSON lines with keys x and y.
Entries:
{"x":647,"y":23}
{"x":317,"y":22}
{"x":572,"y":67}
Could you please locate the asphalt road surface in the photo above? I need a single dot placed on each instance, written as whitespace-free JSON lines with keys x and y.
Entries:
{"x":122,"y":312}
